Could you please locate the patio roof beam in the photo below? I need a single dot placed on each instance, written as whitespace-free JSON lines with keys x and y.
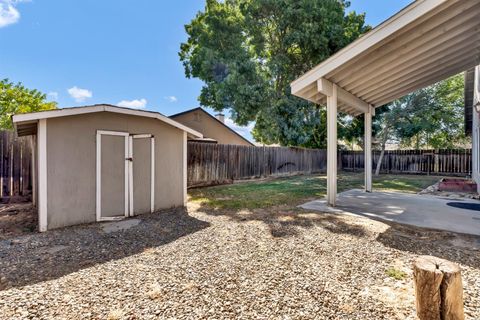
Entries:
{"x":412,"y":14}
{"x":399,"y":92}
{"x":325,"y":87}
{"x":398,"y":82}
{"x":403,"y":54}
{"x":433,"y":60}
{"x":396,"y":52}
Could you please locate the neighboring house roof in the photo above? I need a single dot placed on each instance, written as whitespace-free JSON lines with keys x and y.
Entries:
{"x":212,"y":117}
{"x":34,"y":116}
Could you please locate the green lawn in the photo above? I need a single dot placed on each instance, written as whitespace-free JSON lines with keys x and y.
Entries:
{"x":298,"y":189}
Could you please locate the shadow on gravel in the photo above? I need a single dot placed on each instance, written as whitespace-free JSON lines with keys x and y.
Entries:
{"x":460,"y":248}
{"x":288,"y":222}
{"x":40,"y":257}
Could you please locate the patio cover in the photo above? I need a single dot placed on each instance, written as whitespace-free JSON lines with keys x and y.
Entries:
{"x":426,"y":42}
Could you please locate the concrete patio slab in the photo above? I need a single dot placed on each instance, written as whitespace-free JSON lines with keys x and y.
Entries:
{"x":413,"y":209}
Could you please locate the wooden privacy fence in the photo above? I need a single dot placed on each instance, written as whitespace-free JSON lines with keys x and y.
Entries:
{"x":216,"y":164}
{"x":210,"y":164}
{"x":457,"y":162}
{"x":15,"y":164}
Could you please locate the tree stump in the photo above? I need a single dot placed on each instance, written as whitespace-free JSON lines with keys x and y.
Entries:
{"x":438,"y":289}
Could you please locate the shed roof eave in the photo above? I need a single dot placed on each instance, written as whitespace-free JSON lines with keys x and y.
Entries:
{"x":35,"y":116}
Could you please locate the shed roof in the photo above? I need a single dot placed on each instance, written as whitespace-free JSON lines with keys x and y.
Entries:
{"x":424,"y":43}
{"x":26,"y":123}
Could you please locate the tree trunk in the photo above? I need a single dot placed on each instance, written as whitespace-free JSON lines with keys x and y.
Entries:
{"x":438,"y":289}
{"x":380,"y":159}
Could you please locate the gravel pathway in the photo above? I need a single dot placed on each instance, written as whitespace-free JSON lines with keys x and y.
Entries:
{"x":277,"y":263}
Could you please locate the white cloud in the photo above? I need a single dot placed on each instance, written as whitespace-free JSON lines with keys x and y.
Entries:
{"x":53,"y":95}
{"x":243,"y":131}
{"x":79,"y":94}
{"x":133,"y":104}
{"x":8,"y":13}
{"x":171,"y":98}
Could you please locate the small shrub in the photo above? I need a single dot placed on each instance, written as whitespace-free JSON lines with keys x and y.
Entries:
{"x":396,"y":274}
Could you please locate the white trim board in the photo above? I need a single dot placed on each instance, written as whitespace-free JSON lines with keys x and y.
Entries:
{"x":22,"y":118}
{"x":185,"y":171}
{"x":152,"y":173}
{"x":42,"y":176}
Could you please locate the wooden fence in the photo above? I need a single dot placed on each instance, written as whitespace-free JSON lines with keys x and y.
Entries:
{"x":210,"y":164}
{"x":456,"y":162}
{"x":15,"y":165}
{"x":216,"y":164}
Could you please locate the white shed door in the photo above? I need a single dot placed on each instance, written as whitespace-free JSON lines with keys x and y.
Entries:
{"x":112,"y":175}
{"x":142,"y":173}
{"x":125,"y":174}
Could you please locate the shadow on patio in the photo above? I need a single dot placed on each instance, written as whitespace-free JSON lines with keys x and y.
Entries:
{"x":40,"y":257}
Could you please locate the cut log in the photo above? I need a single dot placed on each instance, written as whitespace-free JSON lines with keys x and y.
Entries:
{"x":438,"y":289}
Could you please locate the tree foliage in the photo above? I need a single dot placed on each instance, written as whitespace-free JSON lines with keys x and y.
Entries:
{"x":428,"y":118}
{"x":248,"y":51}
{"x":15,"y":98}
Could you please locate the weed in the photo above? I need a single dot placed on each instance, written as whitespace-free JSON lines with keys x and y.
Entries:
{"x":396,"y":274}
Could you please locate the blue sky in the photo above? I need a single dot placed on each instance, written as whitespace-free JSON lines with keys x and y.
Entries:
{"x":113,"y":51}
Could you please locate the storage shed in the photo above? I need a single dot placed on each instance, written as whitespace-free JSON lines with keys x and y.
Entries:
{"x":102,"y":162}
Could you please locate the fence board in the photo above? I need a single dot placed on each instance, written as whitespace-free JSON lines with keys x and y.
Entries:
{"x":15,"y":165}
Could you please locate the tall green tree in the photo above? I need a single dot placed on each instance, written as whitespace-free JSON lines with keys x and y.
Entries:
{"x":16,"y":98}
{"x":441,"y":124}
{"x":431,"y":117}
{"x":248,"y":51}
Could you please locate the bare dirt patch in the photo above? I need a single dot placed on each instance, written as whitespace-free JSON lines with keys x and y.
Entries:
{"x":17,"y":218}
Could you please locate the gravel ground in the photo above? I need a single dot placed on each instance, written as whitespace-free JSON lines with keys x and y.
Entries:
{"x":276,"y":263}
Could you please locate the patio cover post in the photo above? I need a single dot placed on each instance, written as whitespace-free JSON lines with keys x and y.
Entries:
{"x":368,"y":149}
{"x":332,"y":103}
{"x":476,"y":128}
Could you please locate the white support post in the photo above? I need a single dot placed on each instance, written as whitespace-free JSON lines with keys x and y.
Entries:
{"x":332,"y":102}
{"x":185,"y":171}
{"x":476,"y":129}
{"x":368,"y":150}
{"x":152,"y":174}
{"x":42,"y":174}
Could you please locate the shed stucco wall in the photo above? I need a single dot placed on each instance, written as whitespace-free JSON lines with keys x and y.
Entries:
{"x":71,"y":163}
